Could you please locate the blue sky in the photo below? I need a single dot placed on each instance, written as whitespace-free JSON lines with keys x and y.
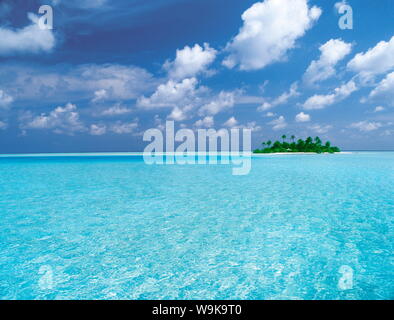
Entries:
{"x":109,"y":70}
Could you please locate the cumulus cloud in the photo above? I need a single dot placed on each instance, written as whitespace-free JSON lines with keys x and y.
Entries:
{"x":186,"y":98}
{"x":302,"y":117}
{"x":253,"y":126}
{"x":62,"y":120}
{"x":223,"y":101}
{"x":171,"y":94}
{"x":124,"y":127}
{"x":270,"y":29}
{"x":279,"y":123}
{"x":177,"y":114}
{"x":100,"y":95}
{"x":377,"y":60}
{"x":282,"y":99}
{"x":207,"y":122}
{"x":385,"y":89}
{"x":339,"y":4}
{"x":116,"y":110}
{"x":183,"y":97}
{"x":104,"y":82}
{"x":159,"y":124}
{"x":320,"y":129}
{"x":98,"y":129}
{"x":388,"y":132}
{"x":379,"y":109}
{"x":322,"y":101}
{"x":189,"y":62}
{"x":365,"y":126}
{"x":232,"y":122}
{"x":5,"y":99}
{"x":332,"y":52}
{"x":30,"y":39}
{"x":118,"y":81}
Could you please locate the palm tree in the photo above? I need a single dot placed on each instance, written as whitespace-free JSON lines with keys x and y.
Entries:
{"x":277,"y":144}
{"x":263,"y":144}
{"x":309,"y":145}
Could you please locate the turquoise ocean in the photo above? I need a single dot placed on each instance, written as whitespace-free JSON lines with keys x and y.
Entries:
{"x":113,"y":227}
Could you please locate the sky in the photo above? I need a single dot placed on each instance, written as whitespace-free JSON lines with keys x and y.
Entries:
{"x":109,"y":70}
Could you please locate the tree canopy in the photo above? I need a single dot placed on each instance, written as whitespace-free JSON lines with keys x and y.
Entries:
{"x":315,"y":145}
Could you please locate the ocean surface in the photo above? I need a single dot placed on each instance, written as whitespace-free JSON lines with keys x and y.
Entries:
{"x":296,"y":227}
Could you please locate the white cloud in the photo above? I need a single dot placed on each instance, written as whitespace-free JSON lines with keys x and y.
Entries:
{"x":366,"y":126}
{"x":252,"y":126}
{"x":30,"y":39}
{"x":385,"y":89}
{"x":232,"y":122}
{"x":263,"y":86}
{"x":303,"y":117}
{"x":207,"y":122}
{"x":332,"y":52}
{"x":98,"y":129}
{"x":189,"y":62}
{"x":279,"y":123}
{"x":107,"y":82}
{"x":186,"y":97}
{"x":159,"y":123}
{"x":321,"y":101}
{"x":223,"y":101}
{"x":100,"y":95}
{"x":270,"y":115}
{"x":3,"y":125}
{"x":118,"y":81}
{"x":270,"y":29}
{"x":178,"y":114}
{"x":339,"y":4}
{"x":116,"y":110}
{"x":171,"y":94}
{"x":124,"y":127}
{"x":379,"y":109}
{"x":321,"y":129}
{"x":388,"y":132}
{"x":377,"y":60}
{"x":5,"y":99}
{"x":62,"y":120}
{"x":282,"y":99}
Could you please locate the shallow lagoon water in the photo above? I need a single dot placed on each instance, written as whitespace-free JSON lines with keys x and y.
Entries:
{"x":296,"y":227}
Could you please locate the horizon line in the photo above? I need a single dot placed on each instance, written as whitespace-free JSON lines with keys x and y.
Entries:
{"x":120,"y":153}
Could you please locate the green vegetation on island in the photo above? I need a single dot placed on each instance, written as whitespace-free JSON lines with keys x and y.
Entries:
{"x":309,"y":145}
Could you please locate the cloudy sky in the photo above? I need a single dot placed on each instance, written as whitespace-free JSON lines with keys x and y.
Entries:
{"x":109,"y":70}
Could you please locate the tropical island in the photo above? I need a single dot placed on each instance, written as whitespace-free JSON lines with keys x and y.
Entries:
{"x":309,"y":145}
